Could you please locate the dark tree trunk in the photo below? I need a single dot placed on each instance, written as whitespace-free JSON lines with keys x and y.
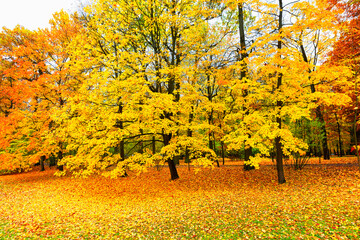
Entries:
{"x":279,"y":104}
{"x":122,"y":150}
{"x":60,"y":156}
{"x":243,"y":72}
{"x":211,"y":135}
{"x":341,"y":149}
{"x":247,"y":155}
{"x":318,"y":113}
{"x":314,"y":151}
{"x":173,"y":171}
{"x":187,"y":155}
{"x":52,"y":160}
{"x":279,"y":156}
{"x":324,"y":141}
{"x":153,"y":145}
{"x":324,"y":133}
{"x":141,"y":150}
{"x":214,"y":149}
{"x":42,"y":164}
{"x":355,"y":126}
{"x":120,"y":125}
{"x":172,"y":167}
{"x":222,"y":152}
{"x":189,"y":134}
{"x":60,"y":153}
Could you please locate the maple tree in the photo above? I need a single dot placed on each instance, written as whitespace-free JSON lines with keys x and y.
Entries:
{"x":33,"y":78}
{"x":134,"y":85}
{"x":22,"y":65}
{"x":243,"y":19}
{"x":61,"y":82}
{"x":346,"y":53}
{"x":279,"y":79}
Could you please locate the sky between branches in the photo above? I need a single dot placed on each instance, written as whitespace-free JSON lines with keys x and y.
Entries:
{"x":33,"y":14}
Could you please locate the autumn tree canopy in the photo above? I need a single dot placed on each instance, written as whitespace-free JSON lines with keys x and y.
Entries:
{"x":125,"y":85}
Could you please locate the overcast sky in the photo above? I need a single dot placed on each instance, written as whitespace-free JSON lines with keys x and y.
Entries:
{"x":32,"y":14}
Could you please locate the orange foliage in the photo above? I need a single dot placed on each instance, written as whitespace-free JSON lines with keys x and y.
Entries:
{"x":33,"y":77}
{"x":348,"y":46}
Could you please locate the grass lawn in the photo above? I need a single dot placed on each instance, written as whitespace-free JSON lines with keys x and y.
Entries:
{"x":318,"y":202}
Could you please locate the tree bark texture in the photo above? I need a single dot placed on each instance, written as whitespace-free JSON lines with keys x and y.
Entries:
{"x":279,"y":104}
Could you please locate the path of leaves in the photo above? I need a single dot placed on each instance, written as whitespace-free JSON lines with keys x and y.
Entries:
{"x":223,"y":203}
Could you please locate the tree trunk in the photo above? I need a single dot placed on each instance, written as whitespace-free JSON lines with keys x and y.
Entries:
{"x":187,"y":155}
{"x":214,"y":149}
{"x":172,"y":167}
{"x":341,"y":150}
{"x":52,"y":160}
{"x":324,"y":134}
{"x":122,"y":150}
{"x":60,"y":156}
{"x":42,"y":164}
{"x":355,"y":125}
{"x":320,"y":118}
{"x":60,"y":153}
{"x":279,"y":104}
{"x":141,"y":150}
{"x":318,"y":113}
{"x":120,"y":125}
{"x":173,"y":171}
{"x":153,"y":145}
{"x":279,"y":156}
{"x":243,"y":73}
{"x":189,"y":134}
{"x":222,"y":152}
{"x":316,"y":152}
{"x":247,"y":155}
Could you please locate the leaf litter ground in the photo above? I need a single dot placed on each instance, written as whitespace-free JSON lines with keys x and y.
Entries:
{"x":318,"y":202}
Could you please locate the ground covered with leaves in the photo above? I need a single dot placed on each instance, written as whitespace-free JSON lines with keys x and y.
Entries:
{"x":318,"y":202}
